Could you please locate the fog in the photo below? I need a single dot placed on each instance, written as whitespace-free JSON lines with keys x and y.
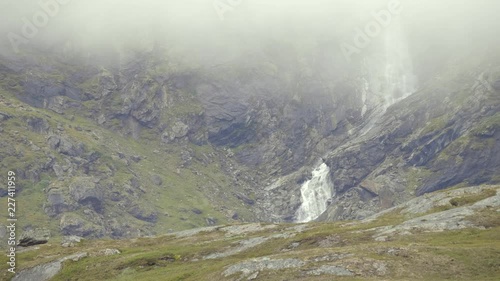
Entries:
{"x":214,"y":31}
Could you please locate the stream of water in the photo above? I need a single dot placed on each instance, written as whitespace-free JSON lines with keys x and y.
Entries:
{"x":315,"y":194}
{"x":387,"y":78}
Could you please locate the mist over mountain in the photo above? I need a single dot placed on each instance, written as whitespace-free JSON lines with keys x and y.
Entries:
{"x":130,"y":119}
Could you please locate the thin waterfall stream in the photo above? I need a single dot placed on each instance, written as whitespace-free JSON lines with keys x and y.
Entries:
{"x":388,"y":78}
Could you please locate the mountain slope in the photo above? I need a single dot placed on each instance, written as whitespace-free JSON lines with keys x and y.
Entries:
{"x":154,"y":144}
{"x":447,"y":234}
{"x":442,"y":136}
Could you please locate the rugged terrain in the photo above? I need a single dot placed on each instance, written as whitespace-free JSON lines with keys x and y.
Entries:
{"x":173,"y":140}
{"x":443,"y":235}
{"x":150,"y":143}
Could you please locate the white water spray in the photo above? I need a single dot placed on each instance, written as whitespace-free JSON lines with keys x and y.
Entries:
{"x":387,"y":75}
{"x":386,"y":78}
{"x":388,"y":72}
{"x":315,"y":194}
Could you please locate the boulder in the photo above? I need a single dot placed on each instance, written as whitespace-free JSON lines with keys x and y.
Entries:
{"x":143,"y":213}
{"x":34,"y":237}
{"x":70,"y":241}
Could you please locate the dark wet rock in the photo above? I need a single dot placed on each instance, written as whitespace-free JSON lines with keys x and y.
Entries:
{"x":34,"y":237}
{"x":143,"y":213}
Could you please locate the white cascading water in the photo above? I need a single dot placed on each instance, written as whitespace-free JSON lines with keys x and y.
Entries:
{"x":388,"y":72}
{"x":387,"y":75}
{"x":315,"y":194}
{"x":387,"y":78}
{"x":400,"y":81}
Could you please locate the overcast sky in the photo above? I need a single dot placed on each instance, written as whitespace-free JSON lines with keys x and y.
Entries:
{"x":200,"y":25}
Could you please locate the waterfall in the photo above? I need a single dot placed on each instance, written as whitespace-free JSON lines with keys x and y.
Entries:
{"x":386,"y":77}
{"x":400,"y":81}
{"x":315,"y":194}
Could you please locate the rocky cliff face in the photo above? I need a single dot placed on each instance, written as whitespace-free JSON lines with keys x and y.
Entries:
{"x":438,"y":140}
{"x":149,"y":144}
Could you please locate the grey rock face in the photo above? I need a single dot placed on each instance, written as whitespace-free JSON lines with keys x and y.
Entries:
{"x":453,"y":219}
{"x":46,"y":271}
{"x":39,"y":273}
{"x":39,"y":92}
{"x":85,"y":191}
{"x":72,"y":224}
{"x":56,"y":203}
{"x":65,"y":146}
{"x":38,"y":125}
{"x":447,"y":140}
